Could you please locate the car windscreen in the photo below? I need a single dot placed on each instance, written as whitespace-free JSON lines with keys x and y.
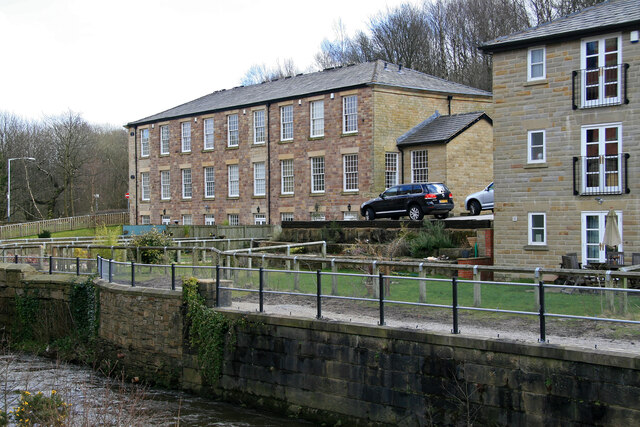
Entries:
{"x":437,"y":188}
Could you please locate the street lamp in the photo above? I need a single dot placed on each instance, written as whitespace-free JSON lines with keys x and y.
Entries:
{"x":9,"y":184}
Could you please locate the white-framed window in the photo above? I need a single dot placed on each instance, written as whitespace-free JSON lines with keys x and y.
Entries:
{"x":350,"y":216}
{"x":593,"y":226}
{"x":317,"y":118}
{"x":260,"y":219}
{"x":350,"y":114}
{"x":536,"y":146}
{"x":232,"y":130}
{"x":317,"y":174}
{"x":286,"y":123}
{"x":419,"y":166}
{"x":234,"y":219}
{"x":286,"y":216}
{"x":259,"y":135}
{"x":164,"y":139}
{"x":234,"y":181}
{"x":187,"y":188}
{"x":144,"y":185}
{"x":286,"y":176}
{"x":207,"y":126}
{"x":144,"y":142}
{"x":390,"y":170}
{"x":602,"y":158}
{"x":209,"y":182}
{"x":537,"y":228}
{"x":259,"y":180}
{"x":165,"y":185}
{"x":187,"y":219}
{"x":146,"y":219}
{"x":165,"y":220}
{"x":536,"y":63}
{"x":350,"y":172}
{"x":601,"y":59}
{"x":209,"y":219}
{"x":318,"y":216}
{"x":186,"y":137}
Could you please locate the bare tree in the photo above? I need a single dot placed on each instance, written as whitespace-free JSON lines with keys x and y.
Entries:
{"x":260,"y":73}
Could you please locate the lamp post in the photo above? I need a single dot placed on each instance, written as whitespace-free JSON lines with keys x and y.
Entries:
{"x":9,"y":184}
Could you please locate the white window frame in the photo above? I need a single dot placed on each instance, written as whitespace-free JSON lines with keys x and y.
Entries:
{"x":260,"y":219}
{"x":287,"y":178}
{"x":259,"y":179}
{"x":145,"y":219}
{"x":144,"y":142}
{"x":350,"y":216}
{"x":318,"y":216}
{"x":259,"y":129}
{"x":316,"y":121}
{"x":286,"y":123}
{"x":165,"y":185}
{"x":531,"y":63}
{"x":233,"y":173}
{"x":208,"y":130}
{"x":233,"y":137}
{"x":531,"y":229}
{"x":209,"y":182}
{"x":164,"y":140}
{"x":186,"y":136}
{"x":209,"y":219}
{"x":350,"y":114}
{"x":417,"y":170}
{"x":286,"y":216}
{"x":350,"y":172}
{"x":165,"y":219}
{"x":530,"y":146}
{"x":601,"y":64}
{"x":187,"y":183}
{"x":233,"y":219}
{"x":187,"y":219}
{"x":145,"y":189}
{"x":390,"y":170}
{"x":602,"y":215}
{"x":601,"y":159}
{"x":318,"y":174}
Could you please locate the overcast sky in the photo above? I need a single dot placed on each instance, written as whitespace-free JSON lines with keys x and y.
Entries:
{"x":116,"y":61}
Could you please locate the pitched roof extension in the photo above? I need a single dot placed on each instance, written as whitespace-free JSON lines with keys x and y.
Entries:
{"x":601,"y":18}
{"x":368,"y":73}
{"x":439,"y":128}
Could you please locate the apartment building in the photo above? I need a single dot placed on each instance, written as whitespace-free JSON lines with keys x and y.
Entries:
{"x":566,"y":136}
{"x":309,"y":147}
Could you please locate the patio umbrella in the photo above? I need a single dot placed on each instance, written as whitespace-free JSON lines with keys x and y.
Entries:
{"x":611,"y":230}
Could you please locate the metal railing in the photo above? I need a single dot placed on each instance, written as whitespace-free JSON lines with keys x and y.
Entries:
{"x":599,"y":87}
{"x":62,"y":224}
{"x":597,"y":175}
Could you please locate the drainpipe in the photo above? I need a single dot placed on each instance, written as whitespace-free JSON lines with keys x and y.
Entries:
{"x":449,"y":98}
{"x":268,"y":168}
{"x":135,"y":160}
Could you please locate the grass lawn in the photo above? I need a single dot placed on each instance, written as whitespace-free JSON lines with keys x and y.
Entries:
{"x":82,"y":232}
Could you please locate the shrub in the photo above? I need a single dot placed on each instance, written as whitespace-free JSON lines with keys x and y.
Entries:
{"x":432,"y":238}
{"x":39,"y":409}
{"x":44,"y":234}
{"x":152,"y":238}
{"x":107,"y":237}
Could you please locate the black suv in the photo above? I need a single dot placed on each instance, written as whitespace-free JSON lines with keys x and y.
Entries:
{"x":414,"y":200}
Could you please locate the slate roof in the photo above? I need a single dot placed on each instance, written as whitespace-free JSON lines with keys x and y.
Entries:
{"x":333,"y":79}
{"x":601,"y":18}
{"x":438,"y":128}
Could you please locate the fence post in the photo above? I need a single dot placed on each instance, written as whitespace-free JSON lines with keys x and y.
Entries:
{"x":217,"y":285}
{"x":173,"y":277}
{"x":319,"y":294}
{"x":536,"y":290}
{"x":477,"y":287}
{"x":133,"y":274}
{"x":324,"y":249}
{"x":423,"y":284}
{"x":454,"y":289}
{"x":374,"y":272}
{"x":608,"y":283}
{"x":16,"y":258}
{"x":50,"y":264}
{"x":77,"y":266}
{"x":381,"y":298}
{"x":287,"y":262}
{"x":542,"y":319}
{"x":296,"y":275}
{"x":98,"y":266}
{"x":110,"y":270}
{"x":113,"y":253}
{"x":261,"y":291}
{"x":249,"y":266}
{"x":334,"y":277}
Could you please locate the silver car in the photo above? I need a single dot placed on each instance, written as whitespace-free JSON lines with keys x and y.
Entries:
{"x":480,"y":201}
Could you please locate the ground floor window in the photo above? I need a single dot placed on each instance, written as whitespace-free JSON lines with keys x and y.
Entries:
{"x":317,"y":216}
{"x":187,"y":219}
{"x":165,"y":219}
{"x":419,"y":166}
{"x":593,"y":232}
{"x":259,"y":219}
{"x":234,"y":219}
{"x":350,"y":216}
{"x":209,"y":219}
{"x":537,"y":228}
{"x":286,"y":216}
{"x":146,"y":220}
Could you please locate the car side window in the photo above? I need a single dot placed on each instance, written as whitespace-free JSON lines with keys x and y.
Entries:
{"x":417,"y":189}
{"x":404,"y":189}
{"x":391,"y":192}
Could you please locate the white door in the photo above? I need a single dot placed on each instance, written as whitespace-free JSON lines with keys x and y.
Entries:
{"x":601,"y":148}
{"x":593,"y":225}
{"x":600,"y":62}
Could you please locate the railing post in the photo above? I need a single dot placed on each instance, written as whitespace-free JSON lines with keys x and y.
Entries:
{"x":477,"y":287}
{"x":261,"y":291}
{"x":423,"y":284}
{"x":334,"y":277}
{"x":381,"y":298}
{"x":217,"y":285}
{"x":77,"y":266}
{"x":110,"y":270}
{"x":454,"y":290}
{"x":133,"y":274}
{"x":296,"y":275}
{"x":98,"y":266}
{"x":16,"y":258}
{"x":543,"y":331}
{"x":319,"y":294}
{"x":50,"y":264}
{"x":173,"y":277}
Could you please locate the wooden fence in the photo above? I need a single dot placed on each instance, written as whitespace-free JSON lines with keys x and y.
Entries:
{"x":62,"y":224}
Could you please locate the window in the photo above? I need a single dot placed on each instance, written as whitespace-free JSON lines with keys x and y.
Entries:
{"x":234,"y":181}
{"x":286,"y":216}
{"x":209,"y":219}
{"x":209,"y":182}
{"x":144,"y":184}
{"x":286,"y":123}
{"x":350,"y":172}
{"x":234,"y":219}
{"x":258,"y":127}
{"x":536,"y":146}
{"x":537,"y":228}
{"x":187,"y":219}
{"x":317,"y":118}
{"x":165,"y":219}
{"x":186,"y":184}
{"x":144,"y":142}
{"x":600,"y":60}
{"x":164,"y":139}
{"x":208,"y":134}
{"x":232,"y":130}
{"x":259,"y":219}
{"x":146,"y":220}
{"x":593,"y":226}
{"x":602,"y":160}
{"x":350,"y":216}
{"x":259,"y":179}
{"x":165,"y":189}
{"x":186,"y":137}
{"x":350,"y":114}
{"x":286,"y":176}
{"x":390,"y":169}
{"x":317,"y":216}
{"x":317,"y":174}
{"x":419,"y":166}
{"x":536,"y":64}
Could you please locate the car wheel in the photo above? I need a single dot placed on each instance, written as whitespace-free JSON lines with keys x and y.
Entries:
{"x":415,"y":213}
{"x":442,"y":216}
{"x":474,"y":207}
{"x":369,"y":214}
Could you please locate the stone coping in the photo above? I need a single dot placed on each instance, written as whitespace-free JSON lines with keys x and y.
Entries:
{"x":139,"y":291}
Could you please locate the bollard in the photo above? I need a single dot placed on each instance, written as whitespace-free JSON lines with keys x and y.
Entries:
{"x":173,"y":277}
{"x":261,"y":291}
{"x":381,"y":298}
{"x":319,"y":294}
{"x":133,"y":274}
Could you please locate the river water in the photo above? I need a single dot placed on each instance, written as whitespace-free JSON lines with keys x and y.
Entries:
{"x":97,"y":400}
